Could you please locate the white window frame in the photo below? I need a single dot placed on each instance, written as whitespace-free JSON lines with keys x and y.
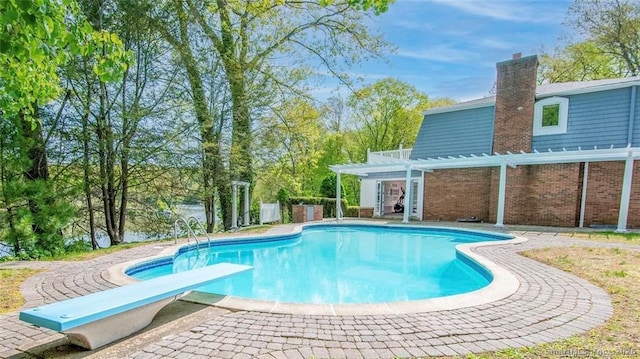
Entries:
{"x":563,"y":114}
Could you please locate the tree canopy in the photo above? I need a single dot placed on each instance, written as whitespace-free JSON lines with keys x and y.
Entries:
{"x":606,"y":43}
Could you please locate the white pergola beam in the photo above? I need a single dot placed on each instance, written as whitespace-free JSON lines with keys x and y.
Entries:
{"x":407,"y":197}
{"x":628,"y":155}
{"x":338,"y":199}
{"x":625,"y":196}
{"x":583,"y":200}
{"x":234,"y":205}
{"x":502,"y":189}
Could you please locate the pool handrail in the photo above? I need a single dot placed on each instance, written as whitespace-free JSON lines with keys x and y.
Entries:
{"x":187,"y":223}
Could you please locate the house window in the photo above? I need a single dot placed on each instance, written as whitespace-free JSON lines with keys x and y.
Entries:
{"x":550,"y":116}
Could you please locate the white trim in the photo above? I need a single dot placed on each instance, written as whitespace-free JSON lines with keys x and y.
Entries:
{"x":484,"y":160}
{"x":625,"y":196}
{"x":544,"y":91}
{"x":502,"y":189}
{"x":563,"y":115}
{"x":583,"y":199}
{"x":463,"y":106}
{"x":338,"y":199}
{"x":408,"y":204}
{"x":588,"y":87}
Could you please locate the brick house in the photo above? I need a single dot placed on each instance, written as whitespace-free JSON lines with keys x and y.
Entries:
{"x":557,"y":154}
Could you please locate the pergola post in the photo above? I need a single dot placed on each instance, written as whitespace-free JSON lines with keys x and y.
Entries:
{"x":407,"y":197}
{"x":502,"y":188}
{"x":583,"y":200}
{"x":625,"y":196}
{"x":247,"y":219}
{"x":234,"y":205}
{"x":338,"y":199}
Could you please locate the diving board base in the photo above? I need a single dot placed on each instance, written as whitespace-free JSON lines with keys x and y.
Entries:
{"x":109,"y":329}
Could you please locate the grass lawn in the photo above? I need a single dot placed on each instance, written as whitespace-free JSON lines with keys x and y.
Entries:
{"x":618,"y":272}
{"x":606,"y":236}
{"x":10,"y":281}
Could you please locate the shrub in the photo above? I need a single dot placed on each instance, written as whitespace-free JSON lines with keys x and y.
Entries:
{"x":352,"y":211}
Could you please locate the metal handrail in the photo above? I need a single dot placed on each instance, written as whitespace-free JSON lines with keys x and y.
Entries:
{"x":201,"y":227}
{"x":189,"y":230}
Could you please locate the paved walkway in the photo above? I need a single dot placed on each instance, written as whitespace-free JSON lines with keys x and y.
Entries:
{"x":548,"y":306}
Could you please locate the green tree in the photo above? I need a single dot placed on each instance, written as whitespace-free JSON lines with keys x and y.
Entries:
{"x":607,"y":44}
{"x":378,"y":6}
{"x":613,"y":26}
{"x":579,"y":62}
{"x":37,"y":38}
{"x":251,"y":38}
{"x":117,"y":130}
{"x":173,"y":22}
{"x":289,"y":147}
{"x":385,"y":116}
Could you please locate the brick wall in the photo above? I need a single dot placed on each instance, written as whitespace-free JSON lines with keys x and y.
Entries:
{"x":457,"y":193}
{"x":540,"y":195}
{"x":366,"y":212}
{"x":515,"y":99}
{"x":604,"y":187}
{"x":546,"y":195}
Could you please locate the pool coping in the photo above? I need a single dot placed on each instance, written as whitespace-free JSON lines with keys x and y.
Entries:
{"x":503,"y":285}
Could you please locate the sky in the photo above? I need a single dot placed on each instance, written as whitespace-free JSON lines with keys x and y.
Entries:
{"x":449,"y":48}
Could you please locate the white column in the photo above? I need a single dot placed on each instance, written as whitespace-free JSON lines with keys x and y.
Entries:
{"x":407,"y":197}
{"x":338,"y":199}
{"x":625,"y":196}
{"x":234,"y":206}
{"x":583,"y":200}
{"x":502,"y":188}
{"x":260,"y":213}
{"x":246,"y":205}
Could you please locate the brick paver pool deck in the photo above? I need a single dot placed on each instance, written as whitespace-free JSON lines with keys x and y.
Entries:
{"x":548,"y":306}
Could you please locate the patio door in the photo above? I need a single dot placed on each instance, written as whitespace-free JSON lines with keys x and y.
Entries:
{"x":414,"y":197}
{"x":379,"y":211}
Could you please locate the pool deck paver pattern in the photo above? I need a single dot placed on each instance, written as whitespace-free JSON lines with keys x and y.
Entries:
{"x":549,"y":305}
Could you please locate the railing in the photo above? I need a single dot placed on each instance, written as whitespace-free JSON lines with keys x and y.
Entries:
{"x":187,"y":224}
{"x":386,"y":156}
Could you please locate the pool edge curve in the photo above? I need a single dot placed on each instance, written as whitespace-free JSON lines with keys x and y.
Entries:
{"x":503,"y":285}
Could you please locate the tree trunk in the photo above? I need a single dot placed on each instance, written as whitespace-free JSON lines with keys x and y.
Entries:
{"x":86,"y":170}
{"x":38,"y":169}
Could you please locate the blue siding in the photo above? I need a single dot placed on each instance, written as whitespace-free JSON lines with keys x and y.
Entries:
{"x":455,"y":133}
{"x":636,"y":121}
{"x":595,"y":119}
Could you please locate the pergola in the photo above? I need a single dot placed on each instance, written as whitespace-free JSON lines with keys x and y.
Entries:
{"x":234,"y":203}
{"x":628,"y":154}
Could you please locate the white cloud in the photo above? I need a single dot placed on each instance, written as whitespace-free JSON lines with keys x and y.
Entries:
{"x":509,"y":10}
{"x":441,"y":52}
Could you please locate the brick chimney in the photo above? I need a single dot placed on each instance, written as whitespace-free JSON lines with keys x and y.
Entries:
{"x":515,"y":98}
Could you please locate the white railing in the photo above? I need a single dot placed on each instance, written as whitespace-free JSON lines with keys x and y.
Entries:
{"x":270,"y":212}
{"x":386,"y":156}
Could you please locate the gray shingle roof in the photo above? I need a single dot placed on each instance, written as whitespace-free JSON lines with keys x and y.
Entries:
{"x":547,"y":90}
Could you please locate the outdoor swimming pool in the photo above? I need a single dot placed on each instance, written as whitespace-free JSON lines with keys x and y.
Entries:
{"x":338,"y":264}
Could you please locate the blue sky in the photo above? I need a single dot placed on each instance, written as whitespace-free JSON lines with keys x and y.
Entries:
{"x":449,"y":48}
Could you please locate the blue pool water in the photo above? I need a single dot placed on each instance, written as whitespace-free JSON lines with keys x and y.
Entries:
{"x":339,"y":264}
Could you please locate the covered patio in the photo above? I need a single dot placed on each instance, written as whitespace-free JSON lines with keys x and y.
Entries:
{"x":503,"y":161}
